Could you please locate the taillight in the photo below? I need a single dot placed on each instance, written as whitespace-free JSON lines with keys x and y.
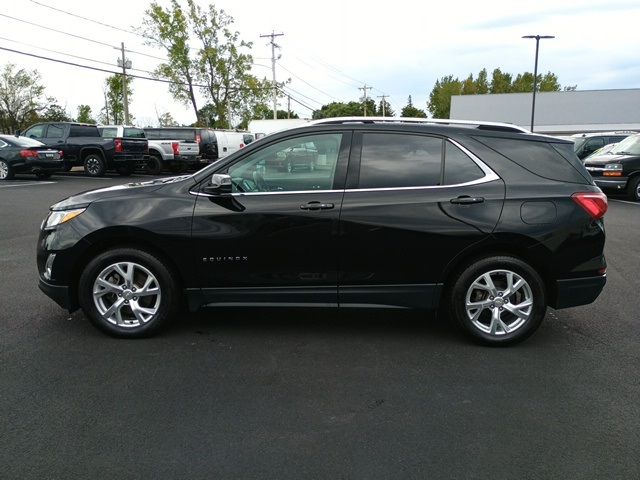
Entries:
{"x":118,"y":143}
{"x":595,"y":204}
{"x":176,"y":148}
{"x":198,"y":139}
{"x":242,"y":145}
{"x":28,"y":153}
{"x":61,"y":153}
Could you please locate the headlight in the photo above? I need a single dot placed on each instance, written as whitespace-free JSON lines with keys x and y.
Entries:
{"x":613,"y":166}
{"x":612,"y":170}
{"x":59,"y":217}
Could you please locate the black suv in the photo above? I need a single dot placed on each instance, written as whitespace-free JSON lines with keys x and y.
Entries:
{"x":484,"y":220}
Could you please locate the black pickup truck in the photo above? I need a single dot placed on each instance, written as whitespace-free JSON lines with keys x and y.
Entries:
{"x":82,"y":145}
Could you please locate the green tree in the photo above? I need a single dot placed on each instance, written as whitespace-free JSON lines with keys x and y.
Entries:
{"x":21,"y":98}
{"x":522,"y":83}
{"x":84,"y":114}
{"x":469,"y":86}
{"x":500,"y":82}
{"x":53,"y":112}
{"x":384,"y":109}
{"x":409,"y":111}
{"x":262,"y":111}
{"x":115,"y":98}
{"x":169,"y":30}
{"x":482,"y":84}
{"x":440,"y":97}
{"x":166,"y":120}
{"x":549,"y":83}
{"x":339,"y":109}
{"x":224,"y":65}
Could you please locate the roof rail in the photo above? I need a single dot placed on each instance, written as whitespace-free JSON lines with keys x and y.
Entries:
{"x":505,"y":127}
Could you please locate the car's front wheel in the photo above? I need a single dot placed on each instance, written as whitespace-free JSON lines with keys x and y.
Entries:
{"x":633,"y":189}
{"x":498,"y":300}
{"x":127,"y":292}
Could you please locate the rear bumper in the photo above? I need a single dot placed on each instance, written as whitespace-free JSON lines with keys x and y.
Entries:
{"x":578,"y":291}
{"x":58,"y":293}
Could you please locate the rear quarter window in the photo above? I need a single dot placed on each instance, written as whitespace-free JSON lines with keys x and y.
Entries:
{"x":540,"y":158}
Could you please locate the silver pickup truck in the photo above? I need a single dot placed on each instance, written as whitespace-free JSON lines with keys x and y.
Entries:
{"x":172,"y":154}
{"x":166,"y":141}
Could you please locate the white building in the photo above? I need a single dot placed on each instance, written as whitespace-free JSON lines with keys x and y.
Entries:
{"x":556,"y":112}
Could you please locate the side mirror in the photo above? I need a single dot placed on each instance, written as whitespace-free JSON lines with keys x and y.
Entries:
{"x":219,"y":184}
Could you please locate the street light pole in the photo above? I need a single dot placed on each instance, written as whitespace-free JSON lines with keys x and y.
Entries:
{"x":535,"y":74}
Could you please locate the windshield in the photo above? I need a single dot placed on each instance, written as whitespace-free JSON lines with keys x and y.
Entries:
{"x":628,"y":146}
{"x":578,"y":142}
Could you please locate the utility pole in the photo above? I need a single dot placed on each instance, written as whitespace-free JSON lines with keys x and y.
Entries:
{"x":106,"y":106}
{"x":384,"y":104}
{"x":273,"y":35}
{"x":364,"y":89}
{"x":288,"y":106}
{"x":124,"y":63}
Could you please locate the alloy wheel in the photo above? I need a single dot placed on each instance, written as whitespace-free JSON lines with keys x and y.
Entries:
{"x":499,"y":302}
{"x":127,"y":294}
{"x":4,"y":170}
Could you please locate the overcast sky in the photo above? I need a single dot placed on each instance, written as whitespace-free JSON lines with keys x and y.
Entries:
{"x":330,"y":47}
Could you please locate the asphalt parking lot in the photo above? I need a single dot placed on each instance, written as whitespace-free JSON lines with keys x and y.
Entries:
{"x":262,"y":393}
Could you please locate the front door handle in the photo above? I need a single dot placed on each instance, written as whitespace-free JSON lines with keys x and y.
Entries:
{"x":466,"y":200}
{"x":316,"y":206}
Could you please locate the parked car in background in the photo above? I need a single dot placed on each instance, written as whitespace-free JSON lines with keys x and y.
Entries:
{"x":26,"y":155}
{"x":584,"y":144}
{"x":488,"y":221}
{"x":619,"y":169}
{"x":82,"y":145}
{"x":173,"y":147}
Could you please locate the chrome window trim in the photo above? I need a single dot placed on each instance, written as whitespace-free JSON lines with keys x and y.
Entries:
{"x":3,"y":144}
{"x":489,"y":176}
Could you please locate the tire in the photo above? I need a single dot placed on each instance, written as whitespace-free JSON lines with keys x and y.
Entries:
{"x":94,"y":165}
{"x":6,"y":172}
{"x":153,"y":164}
{"x":43,"y":175}
{"x":125,"y":170}
{"x":485,"y":311}
{"x":67,"y":167}
{"x":113,"y":309}
{"x":633,"y":189}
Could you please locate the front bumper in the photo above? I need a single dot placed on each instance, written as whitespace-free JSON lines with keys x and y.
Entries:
{"x":573,"y":292}
{"x":617,"y":184}
{"x":58,"y":293}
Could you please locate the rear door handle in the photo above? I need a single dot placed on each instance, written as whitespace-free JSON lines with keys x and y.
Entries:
{"x":316,"y":206}
{"x":466,"y":200}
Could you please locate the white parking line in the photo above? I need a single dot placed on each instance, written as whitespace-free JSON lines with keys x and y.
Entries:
{"x":26,"y":184}
{"x":85,"y":178}
{"x":624,"y":201}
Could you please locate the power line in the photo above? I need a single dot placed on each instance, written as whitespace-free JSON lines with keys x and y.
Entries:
{"x":307,"y":83}
{"x":89,"y":67}
{"x":344,"y":82}
{"x":303,"y":95}
{"x":70,"y":55}
{"x":79,"y":36}
{"x":89,"y":19}
{"x":296,"y":100}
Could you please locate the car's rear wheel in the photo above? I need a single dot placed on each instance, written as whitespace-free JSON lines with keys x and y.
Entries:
{"x":498,"y":300}
{"x":153,"y":164}
{"x":6,"y":172}
{"x":94,"y":165}
{"x":128,"y":293}
{"x":633,"y":189}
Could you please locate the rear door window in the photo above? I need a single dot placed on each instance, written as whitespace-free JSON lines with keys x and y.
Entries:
{"x":394,"y":160}
{"x":109,"y":132}
{"x":83,"y":131}
{"x":458,"y":167}
{"x":55,"y":131}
